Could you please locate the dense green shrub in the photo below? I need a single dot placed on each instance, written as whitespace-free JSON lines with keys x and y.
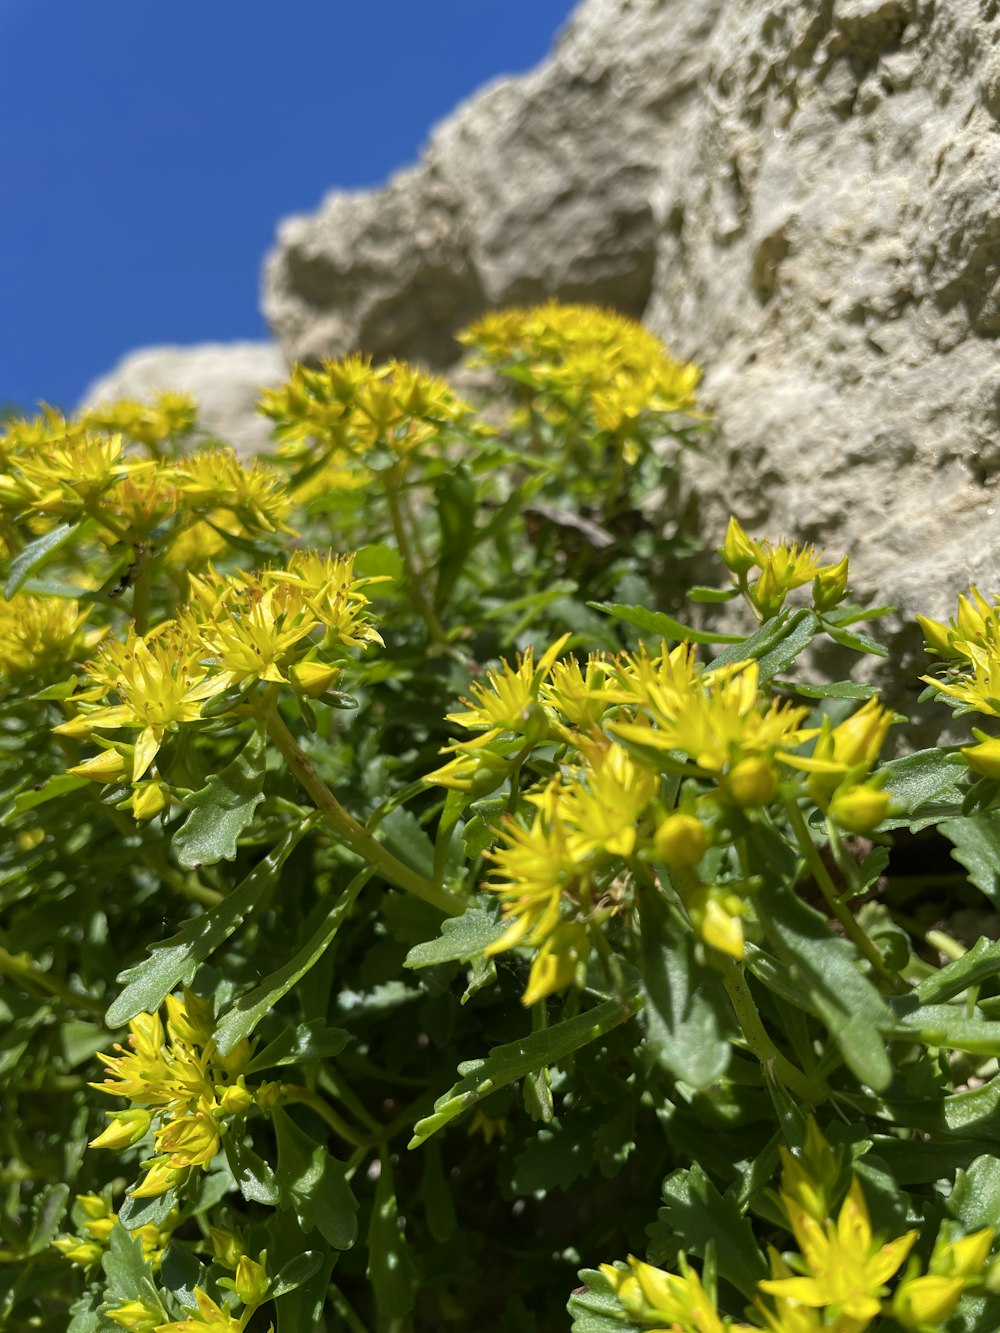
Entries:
{"x":474,"y":918}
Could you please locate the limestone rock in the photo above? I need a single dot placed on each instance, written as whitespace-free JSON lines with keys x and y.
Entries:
{"x":541,"y":185}
{"x":225,"y":378}
{"x":804,"y":195}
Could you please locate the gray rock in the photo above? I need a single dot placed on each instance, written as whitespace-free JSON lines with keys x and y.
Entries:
{"x":803,"y":195}
{"x":539,"y":186}
{"x":225,"y":378}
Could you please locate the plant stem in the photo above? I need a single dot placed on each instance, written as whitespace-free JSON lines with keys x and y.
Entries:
{"x":295,"y":1092}
{"x":349,"y":831}
{"x":829,"y":891}
{"x":760,"y":1043}
{"x":27,"y":970}
{"x":141,"y":587}
{"x":414,"y":576}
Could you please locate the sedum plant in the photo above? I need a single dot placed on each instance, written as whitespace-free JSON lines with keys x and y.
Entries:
{"x":410,"y":901}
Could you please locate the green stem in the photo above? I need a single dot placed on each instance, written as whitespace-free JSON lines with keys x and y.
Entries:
{"x":141,"y":587}
{"x":349,"y":831}
{"x":27,"y":971}
{"x":295,"y":1092}
{"x":829,"y":891}
{"x":414,"y":576}
{"x":760,"y":1043}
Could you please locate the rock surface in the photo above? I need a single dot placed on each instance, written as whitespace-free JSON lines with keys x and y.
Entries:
{"x":804,"y":195}
{"x":225,"y":378}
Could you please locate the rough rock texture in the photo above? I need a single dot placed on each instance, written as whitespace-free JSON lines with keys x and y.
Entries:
{"x":804,"y":195}
{"x":540,"y":185}
{"x":225,"y":378}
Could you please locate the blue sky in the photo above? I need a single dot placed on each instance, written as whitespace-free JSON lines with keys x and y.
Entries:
{"x":148,"y":149}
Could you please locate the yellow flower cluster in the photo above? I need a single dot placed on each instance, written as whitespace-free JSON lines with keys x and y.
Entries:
{"x":970,"y":644}
{"x":98,"y":1221}
{"x":39,"y":636}
{"x":58,"y":470}
{"x":283,"y":626}
{"x":780,"y":569}
{"x":836,"y":1282}
{"x":587,"y":363}
{"x":329,"y":420}
{"x":179,"y":1087}
{"x":624,"y":723}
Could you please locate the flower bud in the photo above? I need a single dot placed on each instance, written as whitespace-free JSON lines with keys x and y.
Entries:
{"x":126,"y":1128}
{"x":235,"y":1099}
{"x":161,"y":1177}
{"x":77,"y":1251}
{"x":965,"y":1257}
{"x":681,"y":839}
{"x":267,"y":1096}
{"x":926,"y":1300}
{"x":830,"y":585}
{"x":148,"y":799}
{"x":312,"y":678}
{"x":251,"y":1282}
{"x":859,"y":809}
{"x":738,"y":552}
{"x":93,"y":1206}
{"x":716,"y":917}
{"x":751,"y":782}
{"x":108,"y":766}
{"x":225,"y":1246}
{"x":983,"y":758}
{"x":768,"y":593}
{"x":938,"y":638}
{"x":190,"y":1140}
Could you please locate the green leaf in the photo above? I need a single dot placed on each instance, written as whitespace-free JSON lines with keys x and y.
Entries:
{"x":841,"y":689}
{"x":36,"y":553}
{"x":50,"y":790}
{"x":922,"y":778}
{"x":135,"y":1213}
{"x":455,"y":501}
{"x":391,"y":1269}
{"x":174,"y":961}
{"x":401,"y":832}
{"x":255,"y":1179}
{"x":661,"y":626}
{"x":180,"y":1273}
{"x":861,"y":643}
{"x":129,"y":1275}
{"x":244,"y":1015}
{"x":299,"y":1044}
{"x":825,"y":970}
{"x":683,"y":1001}
{"x":462,"y":937}
{"x":313,"y":1185}
{"x":776,"y":645}
{"x":597,"y":1309}
{"x":975,"y":1200}
{"x":980,"y":964}
{"x":701,"y":594}
{"x":976,"y":840}
{"x":513,"y":1061}
{"x":294,"y":1273}
{"x":947,"y":1027}
{"x":223,"y":808}
{"x":48,"y":1210}
{"x":694,"y":1215}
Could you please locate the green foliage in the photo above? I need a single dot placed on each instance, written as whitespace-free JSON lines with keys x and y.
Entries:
{"x":470,"y":924}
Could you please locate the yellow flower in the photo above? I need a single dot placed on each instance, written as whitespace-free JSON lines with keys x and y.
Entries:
{"x":717,"y":917}
{"x":716,"y":718}
{"x":554,"y":965}
{"x":677,"y":1301}
{"x":216,"y":479}
{"x":981,"y":690}
{"x":66,"y":477}
{"x":604,"y":804}
{"x":175,"y":1071}
{"x":208,"y":1316}
{"x":983,"y":758}
{"x":844,"y":753}
{"x":38,"y":636}
{"x":681,"y":839}
{"x":508,"y":700}
{"x":844,"y":1267}
{"x":859,"y":809}
{"x":533,"y":869}
{"x":161,"y":681}
{"x":333,"y":593}
{"x":168,"y":417}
